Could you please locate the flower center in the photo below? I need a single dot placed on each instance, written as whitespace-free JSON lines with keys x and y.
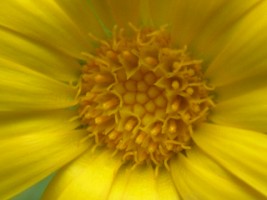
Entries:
{"x":141,"y":97}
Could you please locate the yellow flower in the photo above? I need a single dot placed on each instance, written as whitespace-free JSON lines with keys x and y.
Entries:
{"x":134,"y":99}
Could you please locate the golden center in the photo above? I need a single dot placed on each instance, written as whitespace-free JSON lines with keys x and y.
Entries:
{"x":141,"y":97}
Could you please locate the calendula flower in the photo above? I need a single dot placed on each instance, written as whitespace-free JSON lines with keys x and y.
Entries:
{"x":134,"y":99}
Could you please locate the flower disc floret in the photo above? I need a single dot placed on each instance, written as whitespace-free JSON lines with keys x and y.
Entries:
{"x":141,"y":97}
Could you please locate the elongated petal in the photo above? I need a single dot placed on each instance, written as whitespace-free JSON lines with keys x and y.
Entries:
{"x":165,"y":186}
{"x":46,"y":22}
{"x":83,"y":15}
{"x":198,"y":177}
{"x":124,"y":11}
{"x":120,"y":183}
{"x":17,"y":123}
{"x":102,"y":11}
{"x":218,"y":31}
{"x":240,"y":75}
{"x":248,"y":111}
{"x":241,"y":152}
{"x":244,"y":54}
{"x":27,"y":158}
{"x":161,"y":12}
{"x":22,"y":88}
{"x":35,"y":192}
{"x":89,"y":177}
{"x":191,"y":17}
{"x":42,"y":59}
{"x":134,"y":184}
{"x":205,"y":26}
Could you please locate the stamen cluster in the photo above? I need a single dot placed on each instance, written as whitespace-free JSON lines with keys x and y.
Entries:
{"x":141,"y":97}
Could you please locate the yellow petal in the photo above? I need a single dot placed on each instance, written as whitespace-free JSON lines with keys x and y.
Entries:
{"x":162,"y":11}
{"x":244,"y":54}
{"x":45,"y":21}
{"x":241,"y":87}
{"x":27,"y":158}
{"x":81,"y":13}
{"x":35,"y":192}
{"x":198,"y":177}
{"x":165,"y":186}
{"x":205,"y":26}
{"x":191,"y":17}
{"x":22,"y":88}
{"x":241,"y":152}
{"x":15,"y":123}
{"x":134,"y":184}
{"x":119,"y":184}
{"x":124,"y":11}
{"x":39,"y":58}
{"x":248,"y":111}
{"x":145,"y":17}
{"x":102,"y":11}
{"x":88,"y":177}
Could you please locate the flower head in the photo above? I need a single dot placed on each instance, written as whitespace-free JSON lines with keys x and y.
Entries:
{"x":134,"y":99}
{"x":141,"y":97}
